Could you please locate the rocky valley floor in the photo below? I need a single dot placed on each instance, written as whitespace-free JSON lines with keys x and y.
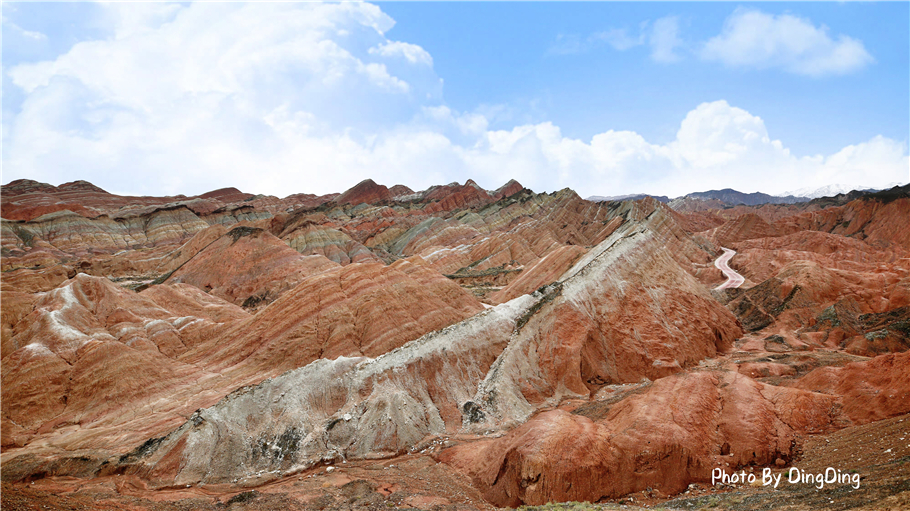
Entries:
{"x":451,"y":348}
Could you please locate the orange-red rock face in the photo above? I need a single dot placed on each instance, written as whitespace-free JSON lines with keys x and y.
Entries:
{"x":508,"y":189}
{"x":673,"y":433}
{"x":450,"y":197}
{"x":350,"y":311}
{"x":744,"y":227}
{"x":878,"y":221}
{"x":548,"y":269}
{"x":90,"y":350}
{"x":626,"y":310}
{"x":24,"y":199}
{"x":488,"y":372}
{"x":234,"y":339}
{"x":177,"y":343}
{"x":335,"y":245}
{"x":760,"y":258}
{"x":249,"y":267}
{"x":366,"y":191}
{"x":872,"y":390}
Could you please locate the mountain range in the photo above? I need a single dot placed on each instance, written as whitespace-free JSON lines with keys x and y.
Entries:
{"x":730,"y":197}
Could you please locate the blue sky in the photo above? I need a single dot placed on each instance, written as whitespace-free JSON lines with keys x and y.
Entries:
{"x":605,"y":98}
{"x":598,"y":87}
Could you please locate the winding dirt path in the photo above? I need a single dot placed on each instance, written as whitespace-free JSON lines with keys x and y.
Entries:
{"x":734,"y":279}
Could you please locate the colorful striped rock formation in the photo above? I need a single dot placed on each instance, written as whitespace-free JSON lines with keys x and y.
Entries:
{"x":453,"y":346}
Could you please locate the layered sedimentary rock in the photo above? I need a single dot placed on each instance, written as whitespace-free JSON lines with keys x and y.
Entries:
{"x":331,"y":409}
{"x":871,"y":390}
{"x":27,"y":200}
{"x":455,"y":196}
{"x":489,"y":372}
{"x":74,"y":233}
{"x":510,"y":188}
{"x":874,"y":218}
{"x":807,"y":305}
{"x":672,"y":434}
{"x":234,"y":339}
{"x":89,"y":350}
{"x":744,"y":227}
{"x":312,"y":239}
{"x":367,"y":191}
{"x":760,"y":258}
{"x":361,"y":309}
{"x":627,"y":310}
{"x":248,"y":266}
{"x":521,"y":229}
{"x":182,"y":346}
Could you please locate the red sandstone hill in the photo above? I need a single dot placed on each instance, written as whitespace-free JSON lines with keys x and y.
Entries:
{"x":672,"y":434}
{"x":508,"y":189}
{"x":227,"y":195}
{"x":247,"y":266}
{"x":365,"y":191}
{"x":25,"y":199}
{"x":524,"y":340}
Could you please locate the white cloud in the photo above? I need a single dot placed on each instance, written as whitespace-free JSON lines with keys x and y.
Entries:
{"x":716,"y":134}
{"x":132,"y":18}
{"x":664,"y":39}
{"x":753,"y":39}
{"x":716,"y":146}
{"x":242,"y":51}
{"x":410,"y":52}
{"x":287,"y":98}
{"x":749,"y":39}
{"x":871,"y":159}
{"x":30,"y":34}
{"x":662,"y":36}
{"x":8,"y":24}
{"x":380,"y":76}
{"x":470,"y":124}
{"x":619,"y":38}
{"x":175,"y":90}
{"x":569,"y":44}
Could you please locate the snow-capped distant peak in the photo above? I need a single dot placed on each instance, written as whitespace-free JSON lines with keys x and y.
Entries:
{"x":825,"y":191}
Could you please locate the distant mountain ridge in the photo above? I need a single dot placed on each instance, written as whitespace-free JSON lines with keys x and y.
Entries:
{"x":734,"y":198}
{"x":727,"y":196}
{"x":836,"y":193}
{"x":633,"y":196}
{"x":831,"y":190}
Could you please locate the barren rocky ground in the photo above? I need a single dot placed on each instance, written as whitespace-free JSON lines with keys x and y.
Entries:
{"x":451,"y":348}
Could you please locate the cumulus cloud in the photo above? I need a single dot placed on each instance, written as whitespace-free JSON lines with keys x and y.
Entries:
{"x":753,"y":39}
{"x":717,"y":145}
{"x":263,"y":54}
{"x":179,"y":89}
{"x":287,"y":98}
